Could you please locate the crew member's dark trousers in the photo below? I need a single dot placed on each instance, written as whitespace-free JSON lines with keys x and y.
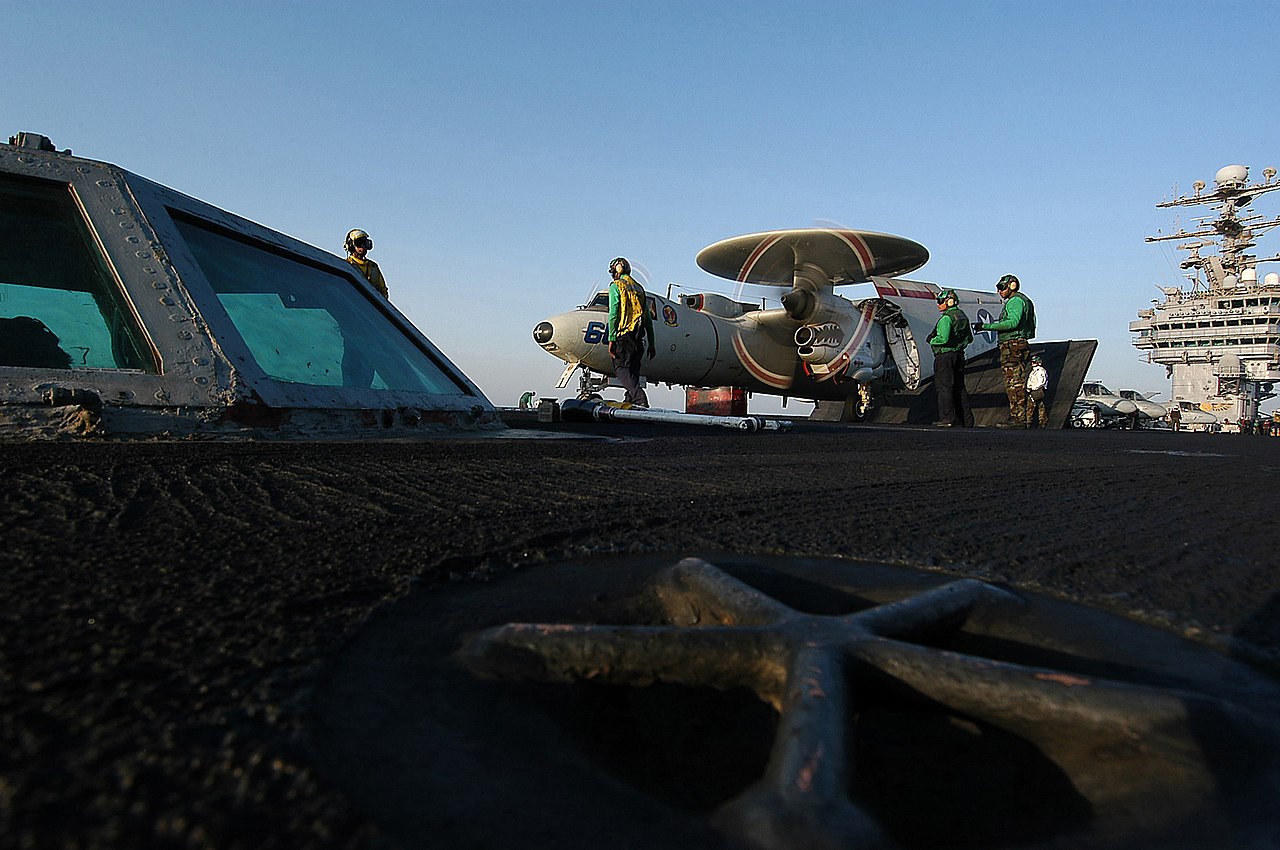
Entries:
{"x":626,"y":366}
{"x":948,"y":381}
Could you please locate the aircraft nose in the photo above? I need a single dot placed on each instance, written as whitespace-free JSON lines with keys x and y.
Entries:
{"x":542,"y":333}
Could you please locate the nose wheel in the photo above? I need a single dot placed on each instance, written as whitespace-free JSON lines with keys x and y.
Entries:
{"x":591,"y":384}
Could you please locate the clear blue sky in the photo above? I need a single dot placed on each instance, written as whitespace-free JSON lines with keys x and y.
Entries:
{"x":501,"y":153}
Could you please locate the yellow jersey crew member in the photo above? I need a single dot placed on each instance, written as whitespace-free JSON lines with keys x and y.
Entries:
{"x":358,"y":246}
{"x":629,"y":327}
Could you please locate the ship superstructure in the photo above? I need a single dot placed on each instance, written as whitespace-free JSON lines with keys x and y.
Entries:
{"x":1219,"y":340}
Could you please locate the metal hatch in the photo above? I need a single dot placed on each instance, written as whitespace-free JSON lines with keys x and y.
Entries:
{"x":128,"y":307}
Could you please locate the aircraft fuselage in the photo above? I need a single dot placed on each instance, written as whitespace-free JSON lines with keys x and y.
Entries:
{"x":756,"y":350}
{"x":821,"y":346}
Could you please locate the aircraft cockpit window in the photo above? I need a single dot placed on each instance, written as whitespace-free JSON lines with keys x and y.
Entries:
{"x":60,"y":307}
{"x":305,"y":324}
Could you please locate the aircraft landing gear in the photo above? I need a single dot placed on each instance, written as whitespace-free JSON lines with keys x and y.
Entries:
{"x":859,"y":406}
{"x":590,"y":384}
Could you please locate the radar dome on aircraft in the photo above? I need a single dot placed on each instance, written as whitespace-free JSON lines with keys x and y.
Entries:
{"x":780,"y":257}
{"x":1231,"y":176}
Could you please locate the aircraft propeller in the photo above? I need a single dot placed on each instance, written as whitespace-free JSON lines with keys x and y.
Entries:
{"x":812,"y":261}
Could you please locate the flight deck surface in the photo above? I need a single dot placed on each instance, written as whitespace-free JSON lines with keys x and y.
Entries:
{"x":173,"y":608}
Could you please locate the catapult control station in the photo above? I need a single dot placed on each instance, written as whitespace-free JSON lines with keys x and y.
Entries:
{"x":127,"y":307}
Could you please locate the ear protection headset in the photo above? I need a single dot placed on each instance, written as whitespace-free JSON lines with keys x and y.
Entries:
{"x":354,"y":236}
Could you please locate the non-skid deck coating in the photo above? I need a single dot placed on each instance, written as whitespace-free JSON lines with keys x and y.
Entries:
{"x":170,"y":609}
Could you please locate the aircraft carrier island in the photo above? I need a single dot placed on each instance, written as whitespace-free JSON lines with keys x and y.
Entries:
{"x":575,"y":634}
{"x":1219,"y":339}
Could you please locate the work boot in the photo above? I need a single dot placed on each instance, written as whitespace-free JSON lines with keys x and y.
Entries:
{"x":1013,"y":424}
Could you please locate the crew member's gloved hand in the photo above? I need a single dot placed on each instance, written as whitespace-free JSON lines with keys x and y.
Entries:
{"x":613,"y":349}
{"x":977,"y":327}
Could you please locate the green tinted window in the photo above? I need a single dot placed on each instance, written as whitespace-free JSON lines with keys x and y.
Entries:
{"x":309,"y":325}
{"x":59,"y":306}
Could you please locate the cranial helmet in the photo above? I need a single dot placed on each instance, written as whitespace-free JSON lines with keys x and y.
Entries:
{"x":1007,"y":282}
{"x":626,"y":267}
{"x":354,"y":236}
{"x":948,"y":295}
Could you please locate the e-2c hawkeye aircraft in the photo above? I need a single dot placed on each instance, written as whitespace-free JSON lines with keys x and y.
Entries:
{"x":817,"y":345}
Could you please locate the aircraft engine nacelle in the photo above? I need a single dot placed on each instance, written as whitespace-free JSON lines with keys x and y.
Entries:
{"x":716,"y":305}
{"x":817,"y":343}
{"x":817,"y":308}
{"x":838,"y":351}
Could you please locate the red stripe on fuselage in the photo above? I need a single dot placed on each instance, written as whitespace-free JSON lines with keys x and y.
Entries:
{"x":885,"y":289}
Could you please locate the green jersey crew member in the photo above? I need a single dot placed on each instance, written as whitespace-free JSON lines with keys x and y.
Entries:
{"x":359,"y":244}
{"x":951,"y":335}
{"x":1016,"y":327}
{"x":629,"y":326}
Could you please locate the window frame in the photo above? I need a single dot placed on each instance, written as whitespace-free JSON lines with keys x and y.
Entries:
{"x":160,"y":201}
{"x":345,"y":272}
{"x":148,"y":288}
{"x":105,"y":284}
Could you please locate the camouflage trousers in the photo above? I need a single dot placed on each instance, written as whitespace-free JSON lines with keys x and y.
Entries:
{"x":1037,"y":415}
{"x":1015,"y":362}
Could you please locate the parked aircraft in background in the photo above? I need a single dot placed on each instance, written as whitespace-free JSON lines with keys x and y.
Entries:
{"x":1099,"y":407}
{"x":1195,"y":419}
{"x":1125,"y":409}
{"x":1095,"y":392}
{"x":1145,"y":406}
{"x":1092,"y":414}
{"x":817,"y":345}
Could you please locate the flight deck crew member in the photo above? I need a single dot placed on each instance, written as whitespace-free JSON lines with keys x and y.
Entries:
{"x":629,"y":326}
{"x":1016,"y":327}
{"x":358,"y":245}
{"x":951,"y":335}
